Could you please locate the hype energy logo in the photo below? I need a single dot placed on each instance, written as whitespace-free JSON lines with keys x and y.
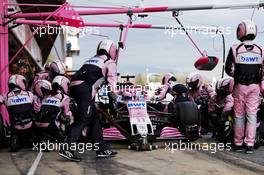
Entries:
{"x":136,"y":105}
{"x":249,"y":59}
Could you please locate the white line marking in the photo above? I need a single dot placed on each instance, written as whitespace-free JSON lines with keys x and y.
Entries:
{"x":35,"y":164}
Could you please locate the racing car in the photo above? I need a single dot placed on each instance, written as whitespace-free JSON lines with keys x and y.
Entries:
{"x":140,"y":121}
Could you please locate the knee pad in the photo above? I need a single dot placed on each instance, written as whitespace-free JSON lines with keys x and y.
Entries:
{"x":239,"y":122}
{"x":252,"y":119}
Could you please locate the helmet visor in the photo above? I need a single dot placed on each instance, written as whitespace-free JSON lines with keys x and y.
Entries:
{"x":193,"y":85}
{"x":223,"y":91}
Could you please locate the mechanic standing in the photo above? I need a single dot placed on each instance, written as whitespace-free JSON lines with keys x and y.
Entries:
{"x":245,"y":64}
{"x":84,"y":84}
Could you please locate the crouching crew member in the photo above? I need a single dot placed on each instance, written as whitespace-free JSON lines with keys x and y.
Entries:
{"x":54,"y":112}
{"x":220,"y":107}
{"x":19,"y":103}
{"x":201,"y":92}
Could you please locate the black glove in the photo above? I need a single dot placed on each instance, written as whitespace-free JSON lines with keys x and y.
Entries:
{"x":65,"y":120}
{"x":226,"y":113}
{"x":224,"y":116}
{"x":112,"y":96}
{"x":202,"y":100}
{"x":113,"y":100}
{"x":73,"y":106}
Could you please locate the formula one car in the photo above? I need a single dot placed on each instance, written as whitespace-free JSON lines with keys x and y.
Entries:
{"x":142,"y":122}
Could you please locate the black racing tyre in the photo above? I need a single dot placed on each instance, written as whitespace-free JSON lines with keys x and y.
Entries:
{"x":188,"y":113}
{"x":188,"y":119}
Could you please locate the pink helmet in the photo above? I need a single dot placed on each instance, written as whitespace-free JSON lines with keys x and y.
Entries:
{"x":43,"y":75}
{"x":17,"y":81}
{"x":167,"y":78}
{"x":57,"y":68}
{"x":41,"y":87}
{"x":194,"y":81}
{"x":47,"y":66}
{"x":107,"y":47}
{"x":247,"y":30}
{"x":225,"y":86}
{"x":61,"y":83}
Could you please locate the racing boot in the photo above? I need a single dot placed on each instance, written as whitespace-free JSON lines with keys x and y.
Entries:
{"x":249,"y":149}
{"x":106,"y":153}
{"x":69,"y":155}
{"x":238,"y":148}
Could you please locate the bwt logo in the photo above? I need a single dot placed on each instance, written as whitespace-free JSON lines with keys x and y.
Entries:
{"x":136,"y":105}
{"x":93,"y":61}
{"x":51,"y":101}
{"x":19,"y":100}
{"x":249,"y":59}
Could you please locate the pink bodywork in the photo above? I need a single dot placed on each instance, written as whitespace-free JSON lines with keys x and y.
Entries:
{"x":112,"y":133}
{"x":140,"y":113}
{"x":170,"y":132}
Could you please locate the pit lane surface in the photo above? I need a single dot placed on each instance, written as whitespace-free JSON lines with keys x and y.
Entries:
{"x":130,"y":163}
{"x":253,"y":162}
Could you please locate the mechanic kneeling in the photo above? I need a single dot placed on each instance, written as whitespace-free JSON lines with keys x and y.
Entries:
{"x":19,"y":103}
{"x":55,"y":112}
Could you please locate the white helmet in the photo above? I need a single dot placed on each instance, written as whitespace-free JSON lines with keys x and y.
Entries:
{"x":57,"y":68}
{"x":194,"y":81}
{"x":61,"y":83}
{"x":17,"y":81}
{"x":167,"y":78}
{"x":107,"y":47}
{"x":47,"y":66}
{"x":41,"y":87}
{"x":224,"y":86}
{"x":247,"y":30}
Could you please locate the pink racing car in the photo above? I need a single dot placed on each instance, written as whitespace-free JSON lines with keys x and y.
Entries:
{"x":143,"y":122}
